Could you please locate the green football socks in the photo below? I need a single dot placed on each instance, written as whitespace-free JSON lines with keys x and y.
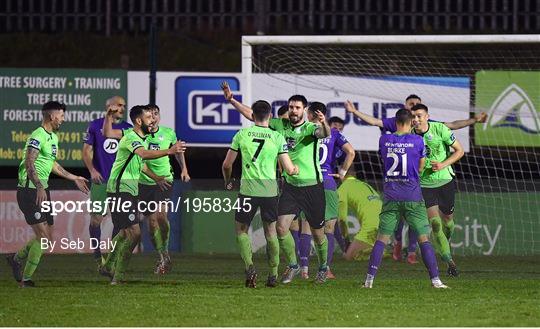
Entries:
{"x":272,"y":253}
{"x":439,"y":238}
{"x":167,"y":235}
{"x":288,"y":248}
{"x":322,"y":253}
{"x":34,"y":256}
{"x":448,"y":228}
{"x":244,"y":244}
{"x":23,"y":252}
{"x":157,"y":239}
{"x":110,"y":261}
{"x":123,"y":257}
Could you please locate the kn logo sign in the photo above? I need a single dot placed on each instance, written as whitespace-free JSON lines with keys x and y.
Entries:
{"x":203,"y":116}
{"x":512,"y":100}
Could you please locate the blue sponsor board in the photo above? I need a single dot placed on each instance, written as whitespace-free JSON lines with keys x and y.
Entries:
{"x":203,"y":116}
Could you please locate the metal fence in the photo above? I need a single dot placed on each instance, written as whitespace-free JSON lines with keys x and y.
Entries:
{"x":272,"y":16}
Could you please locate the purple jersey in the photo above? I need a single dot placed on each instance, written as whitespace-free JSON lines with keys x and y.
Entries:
{"x":401,"y":156}
{"x":104,"y":149}
{"x":340,"y":157}
{"x":327,"y":153}
{"x":389,"y":124}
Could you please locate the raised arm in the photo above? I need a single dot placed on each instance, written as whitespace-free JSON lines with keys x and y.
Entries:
{"x":245,"y":110}
{"x":323,"y":130}
{"x":458,"y":124}
{"x":286,"y":163}
{"x":58,"y":170}
{"x":372,"y":121}
{"x":108,"y":130}
{"x":226,"y":167}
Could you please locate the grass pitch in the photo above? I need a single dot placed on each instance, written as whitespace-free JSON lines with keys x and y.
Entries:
{"x":208,"y":291}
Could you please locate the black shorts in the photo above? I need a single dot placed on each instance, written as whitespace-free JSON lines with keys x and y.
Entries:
{"x":26,"y":198}
{"x":152,"y":193}
{"x":309,"y":199}
{"x":442,"y":196}
{"x":268,"y":206}
{"x":123,"y":214}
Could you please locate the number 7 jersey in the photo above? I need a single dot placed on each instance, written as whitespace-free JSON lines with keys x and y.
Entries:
{"x":260,"y":148}
{"x":401,"y":156}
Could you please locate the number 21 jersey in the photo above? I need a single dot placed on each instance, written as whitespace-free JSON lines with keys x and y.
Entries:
{"x":401,"y":156}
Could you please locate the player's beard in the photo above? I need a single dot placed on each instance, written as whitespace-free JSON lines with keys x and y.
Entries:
{"x":294,"y":119}
{"x":145,"y":128}
{"x":56,"y":126}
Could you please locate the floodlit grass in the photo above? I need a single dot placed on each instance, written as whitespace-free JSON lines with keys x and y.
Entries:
{"x":208,"y":291}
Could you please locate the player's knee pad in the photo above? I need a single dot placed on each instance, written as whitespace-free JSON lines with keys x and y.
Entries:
{"x":436,"y":224}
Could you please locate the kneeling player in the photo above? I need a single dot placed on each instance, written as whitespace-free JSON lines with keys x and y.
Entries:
{"x":366,"y":205}
{"x":403,"y":155}
{"x":260,"y":148}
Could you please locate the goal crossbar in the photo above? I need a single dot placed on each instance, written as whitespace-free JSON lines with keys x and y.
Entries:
{"x":254,"y":40}
{"x":391,"y":39}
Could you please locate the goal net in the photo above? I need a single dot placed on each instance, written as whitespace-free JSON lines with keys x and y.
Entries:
{"x":497,"y":209}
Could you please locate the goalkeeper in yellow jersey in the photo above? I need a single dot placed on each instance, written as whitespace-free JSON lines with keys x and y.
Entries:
{"x":364,"y":202}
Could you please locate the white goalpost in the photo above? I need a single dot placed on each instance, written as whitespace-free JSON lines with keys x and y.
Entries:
{"x":457,"y":76}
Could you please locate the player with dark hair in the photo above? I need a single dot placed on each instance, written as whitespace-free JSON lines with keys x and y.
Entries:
{"x":303,"y":192}
{"x":123,"y":186}
{"x":437,"y":180}
{"x":155,"y":184}
{"x":340,"y":156}
{"x":261,"y":148}
{"x":39,"y":160}
{"x":336,"y":123}
{"x":327,"y":150}
{"x":283,"y":112}
{"x":98,"y":155}
{"x":389,"y":124}
{"x":403,"y":155}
